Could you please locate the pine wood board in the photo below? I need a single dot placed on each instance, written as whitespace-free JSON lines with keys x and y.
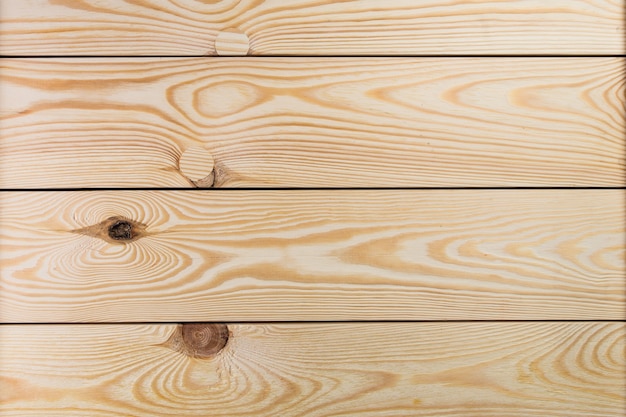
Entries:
{"x":313,"y":122}
{"x":318,"y":370}
{"x":319,"y":27}
{"x":235,"y":255}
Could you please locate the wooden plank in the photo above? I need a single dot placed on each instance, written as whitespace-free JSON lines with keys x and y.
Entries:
{"x":306,"y":27}
{"x":348,"y":369}
{"x":313,"y":122}
{"x":265,"y":255}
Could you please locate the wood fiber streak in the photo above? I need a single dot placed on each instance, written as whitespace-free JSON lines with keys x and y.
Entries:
{"x":313,"y":255}
{"x":318,"y":370}
{"x":313,"y":122}
{"x":313,"y":27}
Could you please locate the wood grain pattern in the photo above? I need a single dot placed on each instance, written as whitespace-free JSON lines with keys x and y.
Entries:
{"x":313,"y":27}
{"x":318,"y":370}
{"x":314,"y":122}
{"x":218,"y":255}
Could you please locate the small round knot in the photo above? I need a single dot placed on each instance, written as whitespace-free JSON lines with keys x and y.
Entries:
{"x":232,"y":42}
{"x":121,"y":230}
{"x":197,"y":164}
{"x":203,"y":340}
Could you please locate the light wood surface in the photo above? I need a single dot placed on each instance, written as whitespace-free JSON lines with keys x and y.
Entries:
{"x":312,"y":27}
{"x":313,"y":122}
{"x":389,"y":301}
{"x":318,"y":370}
{"x":228,"y":255}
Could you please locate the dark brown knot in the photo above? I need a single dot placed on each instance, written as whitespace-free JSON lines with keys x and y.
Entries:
{"x":115,"y":229}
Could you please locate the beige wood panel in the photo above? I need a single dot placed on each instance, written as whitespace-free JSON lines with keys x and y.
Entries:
{"x":312,"y":122}
{"x":317,"y":370}
{"x":305,"y":27}
{"x":312,"y":255}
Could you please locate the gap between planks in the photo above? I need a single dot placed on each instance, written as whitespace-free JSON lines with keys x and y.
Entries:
{"x":307,"y":322}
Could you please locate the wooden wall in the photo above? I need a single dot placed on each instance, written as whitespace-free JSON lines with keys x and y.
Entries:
{"x":312,"y":208}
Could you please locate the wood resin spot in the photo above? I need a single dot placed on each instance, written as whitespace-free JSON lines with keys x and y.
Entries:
{"x":115,"y":229}
{"x":199,"y":340}
{"x":232,"y":42}
{"x":197,"y":164}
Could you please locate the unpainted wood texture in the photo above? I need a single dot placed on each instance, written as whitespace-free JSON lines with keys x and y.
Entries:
{"x":318,"y":370}
{"x":313,"y":27}
{"x":314,"y":122}
{"x":217,"y":255}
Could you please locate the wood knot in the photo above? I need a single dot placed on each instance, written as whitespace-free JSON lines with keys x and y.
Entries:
{"x":197,"y":164}
{"x":232,"y":42}
{"x":204,"y":340}
{"x":199,"y":340}
{"x":115,"y":229}
{"x":121,"y":230}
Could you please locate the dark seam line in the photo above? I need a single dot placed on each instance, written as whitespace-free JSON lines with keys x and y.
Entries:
{"x":302,"y":189}
{"x":326,"y":56}
{"x":311,"y":322}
